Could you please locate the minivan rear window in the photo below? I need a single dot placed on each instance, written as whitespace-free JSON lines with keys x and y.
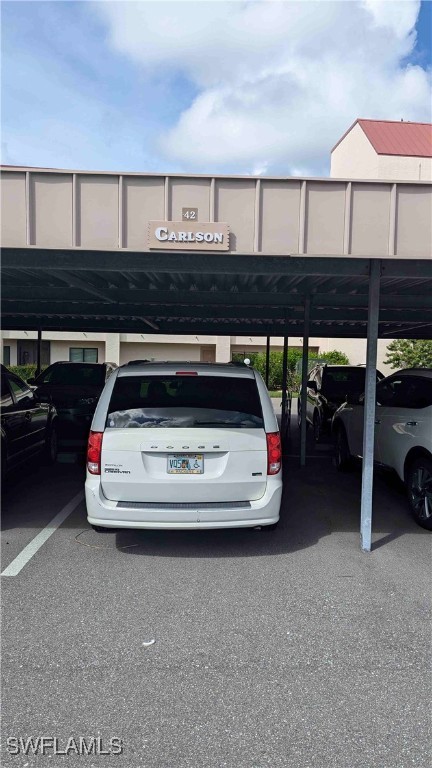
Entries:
{"x":184,"y":401}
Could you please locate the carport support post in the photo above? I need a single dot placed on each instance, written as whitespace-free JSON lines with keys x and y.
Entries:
{"x":267,"y":362}
{"x":369,"y":406}
{"x":284,"y":384}
{"x":38,"y":351}
{"x":304,"y":382}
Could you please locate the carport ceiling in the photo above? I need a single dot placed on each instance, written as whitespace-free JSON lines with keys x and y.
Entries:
{"x":191,"y":293}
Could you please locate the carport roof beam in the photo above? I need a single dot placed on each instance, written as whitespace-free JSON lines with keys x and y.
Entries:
{"x":32,"y":292}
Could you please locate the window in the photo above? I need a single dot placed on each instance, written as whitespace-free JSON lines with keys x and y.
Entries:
{"x":27,"y":352}
{"x":19,"y":389}
{"x":83,"y":355}
{"x":6,"y":397}
{"x":184,"y":401}
{"x":338,"y":382}
{"x":405,"y":392}
{"x":6,"y":356}
{"x":61,"y":374}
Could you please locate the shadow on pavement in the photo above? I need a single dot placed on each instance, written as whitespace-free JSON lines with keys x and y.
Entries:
{"x":317,"y":501}
{"x":34,"y":493}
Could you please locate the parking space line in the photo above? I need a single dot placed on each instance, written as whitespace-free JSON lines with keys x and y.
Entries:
{"x":27,"y":553}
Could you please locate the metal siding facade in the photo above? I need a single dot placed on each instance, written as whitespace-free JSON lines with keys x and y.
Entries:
{"x":143,"y":201}
{"x":266,"y":215}
{"x":413,"y":223}
{"x":325,"y":216}
{"x":235,"y":204}
{"x":51,"y":210}
{"x":189,"y":193}
{"x":97,"y":211}
{"x":370,"y":215}
{"x":279,"y":216}
{"x":13,"y":209}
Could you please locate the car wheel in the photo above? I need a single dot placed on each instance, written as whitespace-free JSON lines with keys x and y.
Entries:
{"x":101,"y":529}
{"x":51,"y":445}
{"x":316,"y":427}
{"x":419,"y":487}
{"x":343,"y":456}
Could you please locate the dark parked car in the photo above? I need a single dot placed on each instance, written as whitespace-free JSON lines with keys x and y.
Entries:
{"x":327,"y":388}
{"x":28,"y":423}
{"x":74,"y":388}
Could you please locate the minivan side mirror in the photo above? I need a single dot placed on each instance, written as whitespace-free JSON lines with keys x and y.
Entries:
{"x":312,"y":385}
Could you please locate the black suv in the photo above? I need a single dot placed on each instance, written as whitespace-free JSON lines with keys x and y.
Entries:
{"x":327,"y":388}
{"x":28,"y":423}
{"x":74,"y":388}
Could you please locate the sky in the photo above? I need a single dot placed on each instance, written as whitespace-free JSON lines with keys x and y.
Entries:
{"x":211,"y":86}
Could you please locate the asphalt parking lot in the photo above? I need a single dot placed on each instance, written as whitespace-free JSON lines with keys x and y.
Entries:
{"x":289,"y":648}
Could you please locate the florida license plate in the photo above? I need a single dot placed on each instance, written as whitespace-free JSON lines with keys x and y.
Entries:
{"x":185,"y":464}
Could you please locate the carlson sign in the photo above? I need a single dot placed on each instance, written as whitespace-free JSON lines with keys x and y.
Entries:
{"x":187,"y":236}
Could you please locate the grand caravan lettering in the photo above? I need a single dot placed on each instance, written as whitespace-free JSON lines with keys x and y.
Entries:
{"x":189,"y":236}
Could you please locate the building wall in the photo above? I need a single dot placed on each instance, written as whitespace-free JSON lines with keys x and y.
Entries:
{"x":60,"y":349}
{"x":404,"y":168}
{"x":121,"y":348}
{"x":165,"y":338}
{"x":355,"y":350}
{"x":79,"y":338}
{"x":60,"y":343}
{"x":354,"y":157}
{"x":12,"y":344}
{"x":146,"y":351}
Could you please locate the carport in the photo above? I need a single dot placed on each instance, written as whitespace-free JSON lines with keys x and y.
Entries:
{"x":303,"y":258}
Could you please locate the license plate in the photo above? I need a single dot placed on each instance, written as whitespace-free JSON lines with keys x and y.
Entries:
{"x":185,"y":464}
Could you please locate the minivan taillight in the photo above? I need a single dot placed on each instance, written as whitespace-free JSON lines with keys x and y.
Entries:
{"x":274,"y":453}
{"x":94,"y":450}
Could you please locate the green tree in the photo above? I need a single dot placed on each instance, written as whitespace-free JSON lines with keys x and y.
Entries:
{"x":409,"y":353}
{"x":258,"y":361}
{"x":334,"y":357}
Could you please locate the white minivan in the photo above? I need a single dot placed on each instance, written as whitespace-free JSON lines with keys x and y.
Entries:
{"x":184,"y":445}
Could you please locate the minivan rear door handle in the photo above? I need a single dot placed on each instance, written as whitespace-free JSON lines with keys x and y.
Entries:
{"x":377,"y":421}
{"x":411,"y":423}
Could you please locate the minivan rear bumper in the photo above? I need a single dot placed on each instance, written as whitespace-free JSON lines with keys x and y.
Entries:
{"x":112,"y":514}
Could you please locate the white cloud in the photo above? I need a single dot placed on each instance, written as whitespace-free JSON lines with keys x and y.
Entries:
{"x":277,"y":82}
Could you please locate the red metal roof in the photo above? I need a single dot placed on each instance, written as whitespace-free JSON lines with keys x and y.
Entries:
{"x":396,"y":137}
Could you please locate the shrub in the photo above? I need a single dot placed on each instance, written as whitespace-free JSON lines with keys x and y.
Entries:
{"x":25,"y":372}
{"x":334,"y":357}
{"x":258,"y":361}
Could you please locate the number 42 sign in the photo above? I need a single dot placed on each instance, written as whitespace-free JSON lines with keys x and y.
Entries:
{"x":190,"y":214}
